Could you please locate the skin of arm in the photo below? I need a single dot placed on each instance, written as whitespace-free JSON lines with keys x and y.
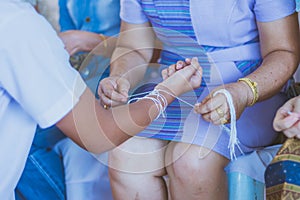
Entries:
{"x":77,"y":40}
{"x":129,"y":62}
{"x":280,"y":52}
{"x":133,"y":51}
{"x":97,"y":130}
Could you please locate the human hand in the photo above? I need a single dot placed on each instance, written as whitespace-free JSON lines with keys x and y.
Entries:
{"x":287,"y":118}
{"x":76,"y":40}
{"x":182,"y":79}
{"x":215,"y":108}
{"x":175,"y":67}
{"x":113,"y":91}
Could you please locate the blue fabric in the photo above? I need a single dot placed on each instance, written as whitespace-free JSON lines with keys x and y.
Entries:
{"x":297,"y":5}
{"x":43,"y":176}
{"x":174,"y":21}
{"x":285,"y":171}
{"x":253,"y":164}
{"x":96,"y":16}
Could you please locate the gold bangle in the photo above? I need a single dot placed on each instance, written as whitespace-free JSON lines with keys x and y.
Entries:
{"x":103,"y":39}
{"x":253,"y":87}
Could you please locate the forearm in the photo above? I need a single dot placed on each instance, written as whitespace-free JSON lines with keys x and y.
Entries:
{"x":272,"y":75}
{"x":280,"y":53}
{"x":90,"y":41}
{"x":133,"y":51}
{"x":129,"y":63}
{"x":97,"y":130}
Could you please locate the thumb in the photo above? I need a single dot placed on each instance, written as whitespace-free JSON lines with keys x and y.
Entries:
{"x":191,"y":69}
{"x":123,"y":87}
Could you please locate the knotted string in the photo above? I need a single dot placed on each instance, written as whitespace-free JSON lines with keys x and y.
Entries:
{"x":233,"y":140}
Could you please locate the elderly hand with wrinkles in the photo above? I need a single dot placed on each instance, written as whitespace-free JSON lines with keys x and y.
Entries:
{"x":215,"y":108}
{"x":287,"y":118}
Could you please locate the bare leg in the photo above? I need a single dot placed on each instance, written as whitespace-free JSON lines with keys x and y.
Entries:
{"x":136,"y":170}
{"x":195,"y":178}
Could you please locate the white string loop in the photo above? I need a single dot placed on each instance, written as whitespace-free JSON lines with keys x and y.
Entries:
{"x":161,"y":104}
{"x":159,"y":100}
{"x":233,"y":140}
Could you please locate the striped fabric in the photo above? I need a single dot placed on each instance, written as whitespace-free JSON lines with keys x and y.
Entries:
{"x":172,"y":24}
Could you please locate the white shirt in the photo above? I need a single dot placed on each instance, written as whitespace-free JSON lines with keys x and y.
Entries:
{"x":37,"y":86}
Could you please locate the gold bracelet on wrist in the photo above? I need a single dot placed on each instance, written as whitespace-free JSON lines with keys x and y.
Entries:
{"x":103,"y":39}
{"x":253,"y":87}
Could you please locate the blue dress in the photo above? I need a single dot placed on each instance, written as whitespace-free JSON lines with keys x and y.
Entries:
{"x":223,"y":61}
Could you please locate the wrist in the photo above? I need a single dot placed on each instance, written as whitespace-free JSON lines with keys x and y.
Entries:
{"x":168,"y":94}
{"x":103,"y":39}
{"x":252,"y":91}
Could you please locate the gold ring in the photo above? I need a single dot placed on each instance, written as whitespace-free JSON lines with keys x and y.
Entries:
{"x":220,"y":112}
{"x":224,"y":121}
{"x":105,"y":106}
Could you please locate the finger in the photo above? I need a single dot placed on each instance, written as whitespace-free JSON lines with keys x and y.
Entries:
{"x":206,"y":117}
{"x":110,"y":103}
{"x":296,"y":105}
{"x":290,"y":133}
{"x":280,"y":115}
{"x":171,"y":70}
{"x":104,"y":100}
{"x":188,"y":61}
{"x":196,"y":79}
{"x":123,"y":88}
{"x":107,"y":89}
{"x":285,"y":123}
{"x":179,"y":65}
{"x":195,"y":62}
{"x":164,"y":74}
{"x":101,"y":88}
{"x":212,"y":104}
{"x":117,"y":96}
{"x":190,"y":70}
{"x":109,"y":92}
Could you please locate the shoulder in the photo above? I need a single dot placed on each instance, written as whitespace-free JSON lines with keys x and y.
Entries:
{"x":270,"y":10}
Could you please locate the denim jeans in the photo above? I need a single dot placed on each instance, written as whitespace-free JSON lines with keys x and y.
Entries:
{"x":43,"y":176}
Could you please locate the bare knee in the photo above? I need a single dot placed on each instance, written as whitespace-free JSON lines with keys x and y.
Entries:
{"x":137,"y":156}
{"x":137,"y":170}
{"x":194,"y":174}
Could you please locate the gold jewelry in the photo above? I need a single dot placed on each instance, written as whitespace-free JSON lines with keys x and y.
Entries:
{"x":105,"y":106}
{"x":253,"y":87}
{"x":224,"y":121}
{"x":220,"y":112}
{"x":103,"y":39}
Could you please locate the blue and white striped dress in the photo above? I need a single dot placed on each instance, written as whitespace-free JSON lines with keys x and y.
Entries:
{"x":172,"y":24}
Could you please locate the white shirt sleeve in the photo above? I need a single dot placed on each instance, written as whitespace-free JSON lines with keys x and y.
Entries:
{"x":35,"y":70}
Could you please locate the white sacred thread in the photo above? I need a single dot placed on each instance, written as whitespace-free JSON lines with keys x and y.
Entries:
{"x":233,"y":140}
{"x":160,"y":99}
